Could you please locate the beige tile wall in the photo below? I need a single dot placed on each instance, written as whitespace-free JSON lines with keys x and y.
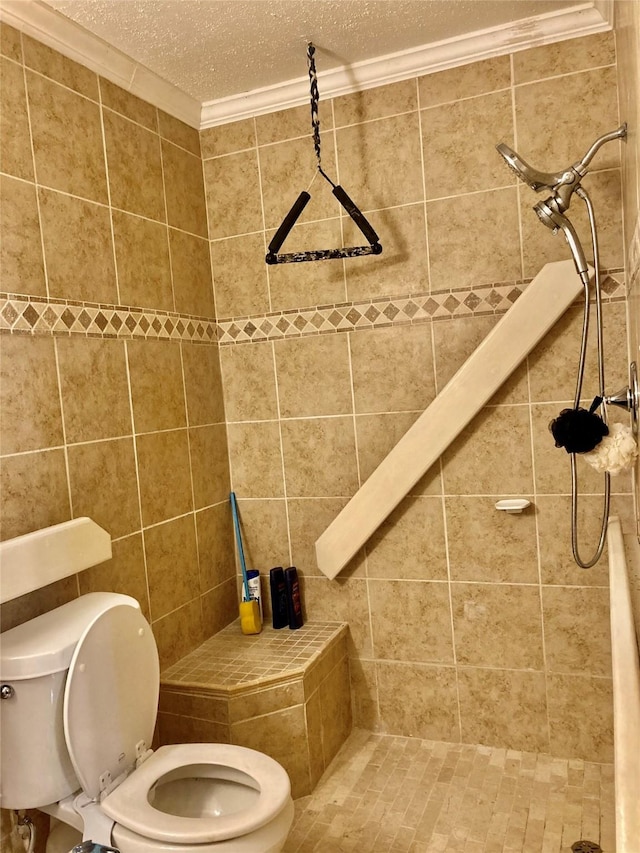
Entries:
{"x":464,"y":624}
{"x":103,"y":201}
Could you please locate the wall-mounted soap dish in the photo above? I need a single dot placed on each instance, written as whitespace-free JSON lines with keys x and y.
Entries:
{"x":513,"y":505}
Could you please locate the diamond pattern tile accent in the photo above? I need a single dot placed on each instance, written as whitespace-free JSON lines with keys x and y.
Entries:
{"x":451,"y":303}
{"x":494,"y":299}
{"x":67,"y":318}
{"x":391,"y":311}
{"x":472,"y":301}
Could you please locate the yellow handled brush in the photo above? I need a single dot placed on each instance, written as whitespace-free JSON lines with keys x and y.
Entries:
{"x":250,"y":621}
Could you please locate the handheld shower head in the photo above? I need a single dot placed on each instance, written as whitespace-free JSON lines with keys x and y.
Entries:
{"x":548,"y":214}
{"x":537,"y":180}
{"x":562,"y":184}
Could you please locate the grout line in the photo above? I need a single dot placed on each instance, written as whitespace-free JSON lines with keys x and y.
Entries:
{"x":116,"y":271}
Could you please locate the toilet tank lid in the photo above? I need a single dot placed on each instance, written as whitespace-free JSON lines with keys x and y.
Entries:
{"x":45,"y":645}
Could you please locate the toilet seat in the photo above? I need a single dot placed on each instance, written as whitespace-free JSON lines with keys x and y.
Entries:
{"x":129,"y":806}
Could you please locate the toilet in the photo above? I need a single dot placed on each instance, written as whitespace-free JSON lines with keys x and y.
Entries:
{"x":80,"y":688}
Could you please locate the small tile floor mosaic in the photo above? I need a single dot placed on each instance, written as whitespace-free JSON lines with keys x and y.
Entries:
{"x":387,"y":794}
{"x":230,"y":659}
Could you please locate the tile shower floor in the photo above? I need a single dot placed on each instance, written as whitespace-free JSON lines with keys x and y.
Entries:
{"x":385,"y":794}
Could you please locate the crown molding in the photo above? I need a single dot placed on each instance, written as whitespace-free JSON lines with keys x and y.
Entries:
{"x":580,"y":20}
{"x":48,"y":26}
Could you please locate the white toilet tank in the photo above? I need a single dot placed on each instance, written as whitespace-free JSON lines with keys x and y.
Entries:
{"x":35,"y":767}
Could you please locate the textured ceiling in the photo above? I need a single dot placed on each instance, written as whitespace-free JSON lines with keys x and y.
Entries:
{"x":213,"y":49}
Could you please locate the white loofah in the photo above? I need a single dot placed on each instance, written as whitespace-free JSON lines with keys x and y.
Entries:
{"x":617,"y":452}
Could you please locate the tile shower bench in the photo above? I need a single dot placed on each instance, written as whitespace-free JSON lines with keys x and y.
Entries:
{"x":285,"y":693}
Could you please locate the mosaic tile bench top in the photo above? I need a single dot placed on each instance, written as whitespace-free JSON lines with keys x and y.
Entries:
{"x":232,"y":662}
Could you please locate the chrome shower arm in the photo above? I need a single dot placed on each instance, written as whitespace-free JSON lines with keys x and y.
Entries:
{"x":619,"y":133}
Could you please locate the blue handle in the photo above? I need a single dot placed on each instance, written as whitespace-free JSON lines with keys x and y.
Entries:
{"x":236,"y":525}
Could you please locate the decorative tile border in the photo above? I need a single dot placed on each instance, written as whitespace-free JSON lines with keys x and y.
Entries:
{"x":26,"y":315}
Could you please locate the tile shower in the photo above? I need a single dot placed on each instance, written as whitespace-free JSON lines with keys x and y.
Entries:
{"x":168,"y":362}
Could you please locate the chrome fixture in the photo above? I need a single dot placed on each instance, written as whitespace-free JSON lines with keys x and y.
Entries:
{"x":628,"y":398}
{"x":6,"y":691}
{"x":552,"y":213}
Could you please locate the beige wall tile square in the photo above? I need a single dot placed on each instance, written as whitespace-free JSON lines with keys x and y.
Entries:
{"x":573,"y":732}
{"x":35,"y":492}
{"x":458,"y":141}
{"x":78,"y":248}
{"x":201,"y":706}
{"x":244,"y":370}
{"x":95,"y":393}
{"x":227,"y":138}
{"x":335,"y":698}
{"x":283,"y":736}
{"x":264,"y":537}
{"x":576,"y":630}
{"x":228,"y":181}
{"x":184,"y":188}
{"x":557,"y":565}
{"x":157,"y":391}
{"x":104,"y":485}
{"x":402,"y":268}
{"x":203,"y":384}
{"x":558,"y":119}
{"x":313,"y":376}
{"x":383,"y":101}
{"x":504,"y":707}
{"x":72,"y":162}
{"x":286,"y":169}
{"x":289,"y":124}
{"x":265,"y":701}
{"x":20,"y":245}
{"x":340,"y":600}
{"x":553,"y":363}
{"x":411,"y":620}
{"x":308,"y":518}
{"x":134,"y":150}
{"x":320,"y":457}
{"x":240,"y":276}
{"x":219,"y":607}
{"x":125,"y":572}
{"x":59,"y":68}
{"x":172,"y":564}
{"x":491,"y":546}
{"x":179,"y":133}
{"x":30,"y":417}
{"x":321,"y":283}
{"x":191,"y":271}
{"x":474,"y":462}
{"x":256,"y":459}
{"x":497,"y":625}
{"x":392,"y":369}
{"x":209,"y":464}
{"x":410,"y":544}
{"x":128,"y":105}
{"x":178,"y":633}
{"x":15,"y":138}
{"x":142,"y":260}
{"x":380,"y":162}
{"x":10,"y":44}
{"x":467,"y":247}
{"x":164,"y":475}
{"x":364,"y":692}
{"x":418,"y":701}
{"x":465,"y":81}
{"x":215,"y":546}
{"x":577,"y":54}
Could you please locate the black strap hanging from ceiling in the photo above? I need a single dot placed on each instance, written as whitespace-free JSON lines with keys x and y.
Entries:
{"x":374,"y":247}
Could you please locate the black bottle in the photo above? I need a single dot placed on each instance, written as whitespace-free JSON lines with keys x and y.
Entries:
{"x":294,"y":605}
{"x":279,"y":609}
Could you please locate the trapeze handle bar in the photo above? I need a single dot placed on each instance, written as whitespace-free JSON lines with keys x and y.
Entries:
{"x":354,"y":212}
{"x":287,"y":223}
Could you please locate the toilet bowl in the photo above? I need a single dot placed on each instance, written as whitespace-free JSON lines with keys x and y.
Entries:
{"x":93,"y":665}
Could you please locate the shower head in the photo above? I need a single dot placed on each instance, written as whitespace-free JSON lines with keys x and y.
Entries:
{"x":564,"y":183}
{"x":550,"y":216}
{"x":537,"y":180}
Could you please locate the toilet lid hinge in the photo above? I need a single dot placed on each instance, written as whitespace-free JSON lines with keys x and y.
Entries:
{"x":142,"y":753}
